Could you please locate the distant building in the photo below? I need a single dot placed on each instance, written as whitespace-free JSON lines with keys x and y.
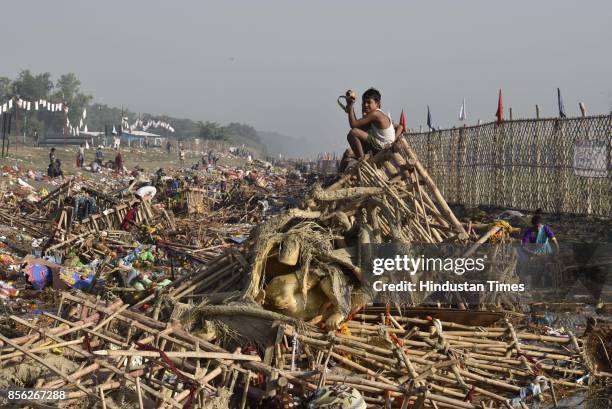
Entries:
{"x":138,"y":139}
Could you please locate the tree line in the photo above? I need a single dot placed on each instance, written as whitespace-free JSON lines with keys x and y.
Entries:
{"x":101,"y":117}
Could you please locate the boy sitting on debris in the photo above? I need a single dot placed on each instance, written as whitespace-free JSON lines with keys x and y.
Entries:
{"x":373,"y":132}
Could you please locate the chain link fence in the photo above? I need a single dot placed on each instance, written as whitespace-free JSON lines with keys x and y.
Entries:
{"x":558,"y":165}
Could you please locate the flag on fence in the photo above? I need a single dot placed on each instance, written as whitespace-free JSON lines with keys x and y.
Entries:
{"x":403,"y":121}
{"x":462,"y":111}
{"x":500,"y":108}
{"x":429,"y":122}
{"x":562,"y":113}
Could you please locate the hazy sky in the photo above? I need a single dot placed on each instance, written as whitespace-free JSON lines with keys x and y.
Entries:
{"x":279,"y":65}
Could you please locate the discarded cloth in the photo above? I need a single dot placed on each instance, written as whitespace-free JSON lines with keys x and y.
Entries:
{"x":337,"y":397}
{"x":39,"y":276}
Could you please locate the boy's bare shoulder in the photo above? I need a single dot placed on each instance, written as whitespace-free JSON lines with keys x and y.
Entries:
{"x":379,"y":117}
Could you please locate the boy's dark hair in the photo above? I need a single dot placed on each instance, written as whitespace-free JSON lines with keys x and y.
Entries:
{"x":371,"y":93}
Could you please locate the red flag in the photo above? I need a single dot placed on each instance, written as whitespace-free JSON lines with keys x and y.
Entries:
{"x":403,"y":121}
{"x":500,"y":108}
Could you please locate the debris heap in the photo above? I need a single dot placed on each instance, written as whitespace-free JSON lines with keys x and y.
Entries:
{"x":190,"y":309}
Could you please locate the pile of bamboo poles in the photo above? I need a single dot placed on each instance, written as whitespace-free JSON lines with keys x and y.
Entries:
{"x":392,"y":360}
{"x":400,"y":199}
{"x":413,"y":362}
{"x":116,"y":349}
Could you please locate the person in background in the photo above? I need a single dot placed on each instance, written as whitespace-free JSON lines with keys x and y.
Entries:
{"x":55,"y":169}
{"x":159,"y":177}
{"x":95,"y":167}
{"x":52,"y":157}
{"x":130,"y":218}
{"x":116,"y":140}
{"x":119,"y":162}
{"x":536,"y":239}
{"x":81,"y":156}
{"x":99,"y":156}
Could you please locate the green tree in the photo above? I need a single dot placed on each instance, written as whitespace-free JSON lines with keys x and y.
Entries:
{"x":243,"y":131}
{"x":32,"y":87}
{"x":6,"y":89}
{"x":68,"y":91}
{"x":211,"y":130}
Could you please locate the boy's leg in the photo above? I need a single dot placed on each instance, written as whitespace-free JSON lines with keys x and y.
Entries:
{"x":356,"y":139}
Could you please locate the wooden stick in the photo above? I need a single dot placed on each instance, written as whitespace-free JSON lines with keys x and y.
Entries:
{"x":102,"y":398}
{"x":43,"y":363}
{"x":247,"y":382}
{"x":139,"y":393}
{"x":178,"y":354}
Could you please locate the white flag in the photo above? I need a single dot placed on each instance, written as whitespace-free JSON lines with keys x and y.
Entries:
{"x":462,"y":112}
{"x":10,"y":104}
{"x":5,"y":107}
{"x":36,"y":105}
{"x":84,"y":113}
{"x":43,"y":103}
{"x":29,"y":105}
{"x":85,"y":130}
{"x":59,"y":106}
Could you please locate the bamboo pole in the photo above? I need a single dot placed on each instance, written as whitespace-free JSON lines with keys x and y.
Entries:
{"x":178,"y":354}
